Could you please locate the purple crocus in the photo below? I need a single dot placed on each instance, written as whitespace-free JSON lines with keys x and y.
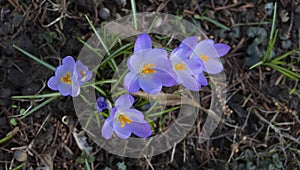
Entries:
{"x":69,"y":77}
{"x":83,"y":72}
{"x":208,"y":52}
{"x":188,"y":45}
{"x":65,"y":81}
{"x":187,"y":69}
{"x":150,"y":69}
{"x":101,"y":104}
{"x":124,"y":121}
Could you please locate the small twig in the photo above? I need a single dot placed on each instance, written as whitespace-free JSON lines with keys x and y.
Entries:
{"x":149,"y":163}
{"x":173,"y":152}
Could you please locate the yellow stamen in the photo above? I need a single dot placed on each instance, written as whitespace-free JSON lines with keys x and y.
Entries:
{"x":180,"y":66}
{"x":82,"y":73}
{"x":148,"y":69}
{"x":124,"y":119}
{"x":199,"y":38}
{"x":204,"y":57}
{"x":66,"y":78}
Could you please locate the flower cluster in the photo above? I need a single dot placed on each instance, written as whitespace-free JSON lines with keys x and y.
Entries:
{"x":151,"y":68}
{"x":69,"y":77}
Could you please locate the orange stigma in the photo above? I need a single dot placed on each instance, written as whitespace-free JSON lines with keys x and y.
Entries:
{"x":148,"y":69}
{"x":67,"y":78}
{"x":204,"y":57}
{"x":82,"y":73}
{"x":123,"y":120}
{"x":180,"y":66}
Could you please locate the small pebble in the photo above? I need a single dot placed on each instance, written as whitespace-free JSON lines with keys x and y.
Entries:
{"x":20,"y":155}
{"x":286,"y":44}
{"x":104,"y":13}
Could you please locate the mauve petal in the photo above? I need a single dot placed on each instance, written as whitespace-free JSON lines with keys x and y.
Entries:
{"x":68,"y":62}
{"x":158,"y":57}
{"x":125,"y":101}
{"x":131,"y":82}
{"x":195,"y":65}
{"x":135,"y":62}
{"x":142,"y":42}
{"x":142,"y":130}
{"x":222,"y":49}
{"x":205,"y":47}
{"x":65,"y":89}
{"x":53,"y":83}
{"x":188,"y":81}
{"x":167,"y":79}
{"x":213,"y":66}
{"x":107,"y":129}
{"x":62,"y":70}
{"x":82,"y":68}
{"x":122,"y":132}
{"x":202,"y":79}
{"x":75,"y":89}
{"x":150,"y":85}
{"x":134,"y":115}
{"x":188,"y":44}
{"x":176,"y":52}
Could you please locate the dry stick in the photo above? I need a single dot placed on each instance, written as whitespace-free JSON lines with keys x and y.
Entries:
{"x":178,"y":100}
{"x":149,"y":163}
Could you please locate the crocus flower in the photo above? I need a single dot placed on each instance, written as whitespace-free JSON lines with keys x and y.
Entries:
{"x":187,"y":69}
{"x":101,"y":104}
{"x":150,"y":69}
{"x":124,"y":121}
{"x":208,"y":52}
{"x":188,"y":45}
{"x":69,"y":77}
{"x":83,"y":72}
{"x":65,"y":81}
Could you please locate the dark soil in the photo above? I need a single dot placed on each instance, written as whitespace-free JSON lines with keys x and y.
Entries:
{"x":265,"y":116}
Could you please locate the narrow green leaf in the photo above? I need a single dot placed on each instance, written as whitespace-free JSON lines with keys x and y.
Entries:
{"x":268,"y":54}
{"x":292,"y":75}
{"x":283,"y":56}
{"x":117,"y":53}
{"x":133,"y":8}
{"x":97,"y":34}
{"x":273,"y":21}
{"x":256,"y":65}
{"x":34,"y":58}
{"x":37,"y":96}
{"x":39,"y":106}
{"x":90,"y":47}
{"x":212,"y":21}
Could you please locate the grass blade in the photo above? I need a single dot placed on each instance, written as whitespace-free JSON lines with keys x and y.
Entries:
{"x":257,"y":64}
{"x":117,"y":53}
{"x":274,"y":21}
{"x":212,"y":21}
{"x":133,"y":8}
{"x":37,"y":96}
{"x":283,"y":56}
{"x":39,"y":106}
{"x":292,"y":75}
{"x":34,"y":58}
{"x":98,"y":36}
